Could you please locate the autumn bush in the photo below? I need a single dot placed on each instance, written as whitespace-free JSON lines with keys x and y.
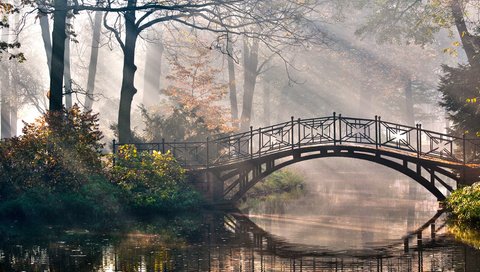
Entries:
{"x":464,"y":204}
{"x":55,"y":172}
{"x":152,"y":181}
{"x":57,"y":152}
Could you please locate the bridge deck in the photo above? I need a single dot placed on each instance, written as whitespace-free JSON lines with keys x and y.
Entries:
{"x":376,"y":134}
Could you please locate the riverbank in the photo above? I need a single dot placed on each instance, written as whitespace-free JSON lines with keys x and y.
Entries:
{"x":55,"y":173}
{"x":464,"y":205}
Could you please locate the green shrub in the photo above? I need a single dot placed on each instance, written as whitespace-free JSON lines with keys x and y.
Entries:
{"x":94,"y":202}
{"x":57,"y":152}
{"x":152,"y":181}
{"x":464,"y":203}
{"x":282,"y":181}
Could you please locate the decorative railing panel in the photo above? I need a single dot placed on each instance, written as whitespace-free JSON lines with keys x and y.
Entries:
{"x":396,"y":136}
{"x":231,"y":148}
{"x":332,"y":130}
{"x":272,"y":139}
{"x":440,"y":145}
{"x":354,"y":130}
{"x":316,"y":131}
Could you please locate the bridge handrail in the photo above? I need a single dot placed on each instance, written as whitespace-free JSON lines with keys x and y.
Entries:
{"x":335,"y":129}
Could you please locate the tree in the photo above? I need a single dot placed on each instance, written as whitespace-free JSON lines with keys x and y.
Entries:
{"x":195,"y":88}
{"x":226,"y":16}
{"x":6,"y":46}
{"x":194,"y":110}
{"x":92,"y":69}
{"x":417,"y":22}
{"x":58,"y":55}
{"x":460,"y":87}
{"x":153,"y":69}
{"x":221,"y":17}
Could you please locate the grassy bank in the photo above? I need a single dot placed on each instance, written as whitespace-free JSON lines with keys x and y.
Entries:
{"x":55,"y":173}
{"x":278,"y":188}
{"x":464,"y":205}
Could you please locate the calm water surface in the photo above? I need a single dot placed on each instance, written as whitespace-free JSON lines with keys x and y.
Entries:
{"x":334,"y":227}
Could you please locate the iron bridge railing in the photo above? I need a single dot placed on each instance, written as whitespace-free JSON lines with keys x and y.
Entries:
{"x":332,"y":130}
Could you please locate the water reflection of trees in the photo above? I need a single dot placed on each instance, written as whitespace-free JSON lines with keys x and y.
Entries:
{"x":232,"y":242}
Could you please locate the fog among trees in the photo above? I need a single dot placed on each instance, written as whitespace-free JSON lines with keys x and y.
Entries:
{"x":265,"y":61}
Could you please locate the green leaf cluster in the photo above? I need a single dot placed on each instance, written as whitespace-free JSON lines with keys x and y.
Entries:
{"x":58,"y":152}
{"x":279,"y":182}
{"x":458,"y":86}
{"x":464,"y":204}
{"x":152,"y":181}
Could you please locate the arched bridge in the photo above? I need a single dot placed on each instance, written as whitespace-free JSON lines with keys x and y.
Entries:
{"x":230,"y":165}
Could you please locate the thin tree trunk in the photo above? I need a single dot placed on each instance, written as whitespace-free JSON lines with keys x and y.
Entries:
{"x":128,"y":89}
{"x":92,"y":69}
{"x":5,"y":95}
{"x":47,"y":44}
{"x":250,"y":79}
{"x":153,"y":71}
{"x":58,"y":55}
{"x":471,"y":44}
{"x":409,"y":110}
{"x":5,"y":98}
{"x":13,"y":120}
{"x":66,"y":74}
{"x":232,"y":84}
{"x":266,"y":103}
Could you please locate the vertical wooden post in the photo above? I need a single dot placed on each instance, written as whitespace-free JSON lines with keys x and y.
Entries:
{"x":299,"y":133}
{"x":259,"y":142}
{"x":173,"y":147}
{"x":114,"y":150}
{"x":376,"y":132}
{"x":208,"y":145}
{"x":340,"y":128}
{"x":419,"y":140}
{"x":464,"y":149}
{"x":379,"y":120}
{"x":185,"y":153}
{"x":291,"y":132}
{"x":163,"y":145}
{"x":334,"y":129}
{"x":251,"y":142}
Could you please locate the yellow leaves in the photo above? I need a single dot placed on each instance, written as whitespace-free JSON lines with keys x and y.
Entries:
{"x":471,"y":100}
{"x":451,"y":51}
{"x":456,"y":43}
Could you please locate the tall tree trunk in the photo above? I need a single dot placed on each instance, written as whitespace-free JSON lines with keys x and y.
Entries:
{"x":128,"y":89}
{"x":250,"y":58}
{"x":409,"y":112}
{"x":45,"y":27}
{"x":5,"y":98}
{"x":153,"y":71}
{"x":58,"y":55}
{"x":267,"y":90}
{"x":66,"y":74}
{"x":5,"y":94}
{"x":13,"y":120}
{"x":471,"y":44}
{"x":232,"y":84}
{"x":92,"y":69}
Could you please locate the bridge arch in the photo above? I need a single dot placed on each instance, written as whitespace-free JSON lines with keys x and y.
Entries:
{"x":234,"y":163}
{"x":238,"y":178}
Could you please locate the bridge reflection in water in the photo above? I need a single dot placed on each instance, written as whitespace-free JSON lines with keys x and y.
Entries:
{"x":232,"y":242}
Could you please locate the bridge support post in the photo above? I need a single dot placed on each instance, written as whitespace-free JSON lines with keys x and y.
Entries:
{"x":215,"y":188}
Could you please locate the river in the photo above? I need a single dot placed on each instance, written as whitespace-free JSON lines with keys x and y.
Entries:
{"x":379,"y":222}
